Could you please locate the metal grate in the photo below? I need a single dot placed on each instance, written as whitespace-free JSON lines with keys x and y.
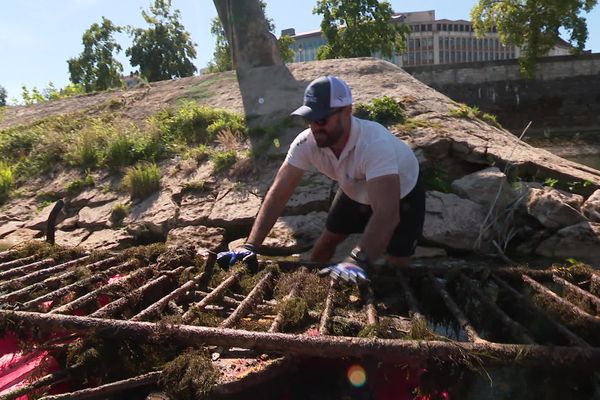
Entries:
{"x":512,"y":316}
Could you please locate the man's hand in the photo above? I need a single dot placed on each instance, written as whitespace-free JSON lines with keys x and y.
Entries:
{"x":347,"y":271}
{"x":245,"y":254}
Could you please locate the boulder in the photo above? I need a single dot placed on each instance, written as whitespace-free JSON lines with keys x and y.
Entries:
{"x":92,"y":197}
{"x":554,"y":209}
{"x":9,"y":227}
{"x":108,"y":239}
{"x":591,"y":207}
{"x":72,"y":238}
{"x":452,"y":222}
{"x":314,"y":193}
{"x":96,"y":218}
{"x":234,"y":208}
{"x":580,"y":241}
{"x":486,"y":187}
{"x":40,"y":221}
{"x":195,"y":208}
{"x":201,"y":237}
{"x":156,"y":214}
{"x":20,"y":236}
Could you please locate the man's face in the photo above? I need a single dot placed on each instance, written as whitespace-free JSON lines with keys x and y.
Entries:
{"x":329,"y":130}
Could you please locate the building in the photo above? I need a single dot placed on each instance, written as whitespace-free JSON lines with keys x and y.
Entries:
{"x":430,"y":42}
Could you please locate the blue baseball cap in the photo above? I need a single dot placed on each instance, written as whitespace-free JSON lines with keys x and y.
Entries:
{"x":322,"y":96}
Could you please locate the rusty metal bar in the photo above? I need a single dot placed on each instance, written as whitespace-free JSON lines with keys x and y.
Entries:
{"x":144,"y":273}
{"x":119,"y":304}
{"x":526,"y":302}
{"x":43,"y":272}
{"x":18,"y":262}
{"x":255,"y":296}
{"x":393,"y":350}
{"x":26,"y":268}
{"x":174,"y":295}
{"x":516,"y":329}
{"x":79,"y":284}
{"x":561,"y":303}
{"x":372,"y":318}
{"x":47,"y":380}
{"x":584,"y":295}
{"x":109,"y":388}
{"x":462,"y":320}
{"x":217,"y":293}
{"x":15,"y":295}
{"x":326,"y":317}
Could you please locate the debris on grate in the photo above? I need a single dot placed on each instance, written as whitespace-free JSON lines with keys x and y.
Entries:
{"x":111,"y":322}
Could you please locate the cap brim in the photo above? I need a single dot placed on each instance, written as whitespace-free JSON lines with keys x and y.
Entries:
{"x":310,"y":114}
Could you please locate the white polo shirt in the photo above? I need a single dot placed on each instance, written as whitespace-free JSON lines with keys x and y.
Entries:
{"x":371,"y":151}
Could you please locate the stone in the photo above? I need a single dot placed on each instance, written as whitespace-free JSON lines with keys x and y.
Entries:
{"x":452,"y":222}
{"x":95,"y":218}
{"x":554,"y":209}
{"x":487,"y":187}
{"x":9,"y":227}
{"x":294,"y":234}
{"x":591,"y":207}
{"x":201,"y":237}
{"x":92,"y":197}
{"x":314,"y":193}
{"x":40,"y":221}
{"x":156,"y":214}
{"x":108,"y":239}
{"x":234,"y":208}
{"x":195,"y":208}
{"x":72,"y":238}
{"x":580,"y":241}
{"x":20,"y":236}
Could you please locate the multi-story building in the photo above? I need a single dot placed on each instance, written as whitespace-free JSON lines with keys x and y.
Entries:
{"x":430,"y":41}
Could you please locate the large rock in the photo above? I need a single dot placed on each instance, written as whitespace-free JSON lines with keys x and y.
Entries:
{"x":201,"y":237}
{"x":554,"y":209}
{"x":314,"y":193}
{"x":96,"y":218}
{"x":20,"y":236}
{"x":234,"y":208}
{"x":108,"y":239}
{"x":453,"y":222}
{"x":92,"y":197}
{"x":7,"y":228}
{"x":72,"y":238}
{"x":580,"y":241}
{"x":294,"y":234}
{"x":195,"y":208}
{"x":40,"y":221}
{"x":157,"y":214}
{"x":488,"y":187}
{"x":591,"y":208}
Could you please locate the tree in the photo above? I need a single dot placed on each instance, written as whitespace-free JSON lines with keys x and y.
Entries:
{"x":359,"y":28}
{"x":3,"y":95}
{"x":533,"y":25}
{"x":96,"y":68}
{"x":222,"y":55}
{"x":165,"y":50}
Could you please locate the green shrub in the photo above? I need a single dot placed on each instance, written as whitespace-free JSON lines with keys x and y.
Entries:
{"x":76,"y":186}
{"x":199,"y":153}
{"x":195,"y":124}
{"x":222,"y":160}
{"x":142,"y":180}
{"x":384,"y":110}
{"x":118,"y":213}
{"x":6,"y":181}
{"x":119,"y":153}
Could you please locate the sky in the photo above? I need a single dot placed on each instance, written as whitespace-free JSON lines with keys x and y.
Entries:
{"x":37,"y":37}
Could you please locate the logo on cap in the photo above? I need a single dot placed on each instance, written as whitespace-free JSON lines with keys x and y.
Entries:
{"x":310,"y":97}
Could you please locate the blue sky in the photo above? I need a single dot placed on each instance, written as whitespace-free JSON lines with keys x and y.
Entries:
{"x":37,"y":37}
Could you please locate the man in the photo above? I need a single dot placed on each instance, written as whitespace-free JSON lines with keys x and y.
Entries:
{"x":379,"y":194}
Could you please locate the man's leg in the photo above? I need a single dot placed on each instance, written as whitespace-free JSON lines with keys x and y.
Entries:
{"x":324,"y":248}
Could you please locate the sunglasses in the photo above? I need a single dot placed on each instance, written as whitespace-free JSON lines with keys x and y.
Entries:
{"x":323,"y":121}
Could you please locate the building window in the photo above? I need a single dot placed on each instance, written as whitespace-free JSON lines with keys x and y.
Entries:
{"x":429,"y":28}
{"x":444,"y":27}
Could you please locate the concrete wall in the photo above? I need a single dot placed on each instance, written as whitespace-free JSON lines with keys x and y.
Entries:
{"x":564,"y":96}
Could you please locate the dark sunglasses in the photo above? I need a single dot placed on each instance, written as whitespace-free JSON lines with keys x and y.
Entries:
{"x":323,"y":121}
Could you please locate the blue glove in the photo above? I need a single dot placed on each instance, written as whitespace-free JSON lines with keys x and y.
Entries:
{"x":347,"y":271}
{"x":245,"y":254}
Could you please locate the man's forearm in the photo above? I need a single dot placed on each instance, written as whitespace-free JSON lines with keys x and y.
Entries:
{"x":270,"y":210}
{"x":377,"y":234}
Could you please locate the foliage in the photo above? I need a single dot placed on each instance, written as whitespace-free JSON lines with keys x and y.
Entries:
{"x":194,"y":124}
{"x":119,"y":212}
{"x":3,"y":96}
{"x":467,"y":112}
{"x":384,"y":110}
{"x":222,"y":159}
{"x":359,"y":29}
{"x":189,"y":376}
{"x":96,"y":68}
{"x":50,"y":93}
{"x":222,"y":54}
{"x":142,"y":180}
{"x":6,"y":181}
{"x":533,"y":25}
{"x":128,"y":145}
{"x":436,"y":179}
{"x":76,"y":186}
{"x":165,"y":50}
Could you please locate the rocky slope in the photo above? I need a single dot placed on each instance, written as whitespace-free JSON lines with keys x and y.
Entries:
{"x":449,"y":147}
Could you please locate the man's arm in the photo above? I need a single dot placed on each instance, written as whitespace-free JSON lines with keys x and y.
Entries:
{"x":287,"y":179}
{"x":384,"y":195}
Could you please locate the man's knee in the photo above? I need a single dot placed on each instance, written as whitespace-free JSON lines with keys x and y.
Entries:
{"x":398,"y":262}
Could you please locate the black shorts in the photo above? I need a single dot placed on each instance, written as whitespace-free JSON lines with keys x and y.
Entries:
{"x":347,"y":216}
